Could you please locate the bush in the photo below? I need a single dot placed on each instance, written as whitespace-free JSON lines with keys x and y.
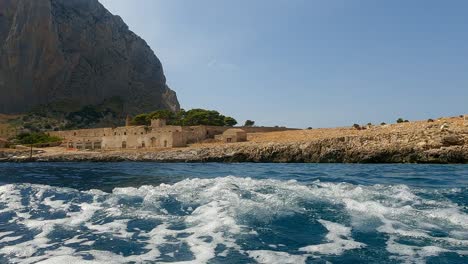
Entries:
{"x":309,"y":128}
{"x":430,"y":120}
{"x":400,"y":120}
{"x":369,"y":124}
{"x":249,"y":123}
{"x":406,"y":121}
{"x":36,"y":138}
{"x":383,"y":124}
{"x":356,"y":126}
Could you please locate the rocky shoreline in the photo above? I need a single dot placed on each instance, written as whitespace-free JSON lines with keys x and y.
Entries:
{"x":418,"y":142}
{"x":339,"y":150}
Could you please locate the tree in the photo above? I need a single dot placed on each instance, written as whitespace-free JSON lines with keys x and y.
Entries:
{"x":229,"y":121}
{"x":249,"y":123}
{"x":196,"y":117}
{"x":193,"y":117}
{"x":162,"y":114}
{"x":36,"y":138}
{"x":141,"y":120}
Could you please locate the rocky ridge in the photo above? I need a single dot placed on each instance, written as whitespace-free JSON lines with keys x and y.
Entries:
{"x":75,"y":51}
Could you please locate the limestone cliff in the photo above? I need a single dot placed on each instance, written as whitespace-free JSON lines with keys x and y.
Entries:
{"x":75,"y":51}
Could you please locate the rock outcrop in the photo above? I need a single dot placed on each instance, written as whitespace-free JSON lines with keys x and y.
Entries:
{"x":75,"y":51}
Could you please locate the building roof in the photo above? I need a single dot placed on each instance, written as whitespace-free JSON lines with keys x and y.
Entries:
{"x":234,"y":131}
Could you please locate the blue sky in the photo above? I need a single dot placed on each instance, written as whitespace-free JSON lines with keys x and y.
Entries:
{"x":304,"y":63}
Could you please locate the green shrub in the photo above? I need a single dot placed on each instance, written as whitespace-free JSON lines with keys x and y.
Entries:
{"x":249,"y":123}
{"x":383,"y":124}
{"x":430,"y":120}
{"x":356,"y":126}
{"x":36,"y":138}
{"x":400,"y":120}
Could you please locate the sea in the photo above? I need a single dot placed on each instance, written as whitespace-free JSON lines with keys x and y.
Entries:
{"x":134,"y":212}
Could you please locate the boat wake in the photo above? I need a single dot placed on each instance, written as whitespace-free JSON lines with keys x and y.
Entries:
{"x":232,"y":218}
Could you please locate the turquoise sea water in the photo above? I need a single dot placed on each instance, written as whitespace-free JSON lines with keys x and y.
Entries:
{"x":233,"y":213}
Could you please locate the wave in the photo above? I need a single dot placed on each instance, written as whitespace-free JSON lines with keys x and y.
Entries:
{"x":222,"y":219}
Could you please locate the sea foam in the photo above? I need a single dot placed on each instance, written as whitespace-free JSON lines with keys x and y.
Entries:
{"x":199,"y":220}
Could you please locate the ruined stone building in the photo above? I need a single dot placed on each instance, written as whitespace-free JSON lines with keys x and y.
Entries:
{"x":232,"y":135}
{"x":157,"y":135}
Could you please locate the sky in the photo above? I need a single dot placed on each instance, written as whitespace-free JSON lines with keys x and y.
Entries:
{"x":310,"y":63}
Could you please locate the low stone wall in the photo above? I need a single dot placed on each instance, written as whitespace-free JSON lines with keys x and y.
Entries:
{"x":265,"y":129}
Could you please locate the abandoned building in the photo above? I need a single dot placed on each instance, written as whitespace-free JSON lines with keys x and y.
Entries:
{"x":157,"y":135}
{"x":232,"y":135}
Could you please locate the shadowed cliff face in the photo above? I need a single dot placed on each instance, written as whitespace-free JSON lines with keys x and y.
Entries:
{"x":77,"y":51}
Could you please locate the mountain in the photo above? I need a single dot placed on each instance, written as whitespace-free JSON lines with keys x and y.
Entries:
{"x":75,"y":52}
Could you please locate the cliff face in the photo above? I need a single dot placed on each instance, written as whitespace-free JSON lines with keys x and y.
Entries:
{"x":75,"y":51}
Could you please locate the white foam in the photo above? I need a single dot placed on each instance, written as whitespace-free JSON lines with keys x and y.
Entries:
{"x":276,"y":257}
{"x":339,"y":240}
{"x":213,"y":212}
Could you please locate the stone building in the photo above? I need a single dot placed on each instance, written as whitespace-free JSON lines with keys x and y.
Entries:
{"x":157,"y":135}
{"x":232,"y":135}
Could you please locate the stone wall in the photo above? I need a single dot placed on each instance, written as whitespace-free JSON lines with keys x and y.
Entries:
{"x":132,"y":137}
{"x":264,"y":129}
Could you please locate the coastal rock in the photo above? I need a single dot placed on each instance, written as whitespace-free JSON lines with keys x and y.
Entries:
{"x":78,"y":52}
{"x":452,"y":140}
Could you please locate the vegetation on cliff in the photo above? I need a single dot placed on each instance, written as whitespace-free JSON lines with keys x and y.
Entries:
{"x":65,"y":115}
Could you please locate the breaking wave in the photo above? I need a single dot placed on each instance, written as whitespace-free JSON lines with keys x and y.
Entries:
{"x":231,"y":218}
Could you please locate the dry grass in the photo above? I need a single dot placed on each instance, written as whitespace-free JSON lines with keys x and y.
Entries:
{"x":323,"y":133}
{"x":5,"y":118}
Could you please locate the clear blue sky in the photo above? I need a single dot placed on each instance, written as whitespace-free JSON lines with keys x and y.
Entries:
{"x":312,"y":63}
